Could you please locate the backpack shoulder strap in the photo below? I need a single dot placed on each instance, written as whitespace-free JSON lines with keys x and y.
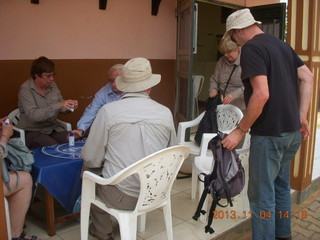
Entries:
{"x":199,"y":210}
{"x":208,"y":228}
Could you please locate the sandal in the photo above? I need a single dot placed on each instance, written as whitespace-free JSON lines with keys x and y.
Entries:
{"x":22,"y":237}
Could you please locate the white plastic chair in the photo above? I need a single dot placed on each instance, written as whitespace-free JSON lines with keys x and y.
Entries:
{"x":157,"y":173}
{"x":197,"y":87}
{"x":204,"y":164}
{"x":14,"y":118}
{"x":228,"y":116}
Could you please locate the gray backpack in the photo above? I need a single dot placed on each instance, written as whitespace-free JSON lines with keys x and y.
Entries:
{"x":225,"y":181}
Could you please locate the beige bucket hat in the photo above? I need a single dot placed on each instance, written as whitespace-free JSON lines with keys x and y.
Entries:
{"x":137,"y":76}
{"x":239,"y":19}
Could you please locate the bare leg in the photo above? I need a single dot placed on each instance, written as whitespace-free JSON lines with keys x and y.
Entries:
{"x":19,"y":200}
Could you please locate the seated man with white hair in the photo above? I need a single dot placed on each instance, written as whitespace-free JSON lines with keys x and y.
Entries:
{"x":106,"y":94}
{"x":124,"y":132}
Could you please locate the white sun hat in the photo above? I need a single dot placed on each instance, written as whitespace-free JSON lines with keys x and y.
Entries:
{"x":137,"y":76}
{"x":240,"y":19}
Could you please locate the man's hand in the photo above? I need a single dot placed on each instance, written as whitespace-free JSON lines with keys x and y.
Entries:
{"x":233,"y":139}
{"x":70,"y":105}
{"x":305,"y":130}
{"x":77,"y":133}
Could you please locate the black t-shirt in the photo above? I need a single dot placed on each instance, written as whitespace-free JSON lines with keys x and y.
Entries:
{"x":270,"y":56}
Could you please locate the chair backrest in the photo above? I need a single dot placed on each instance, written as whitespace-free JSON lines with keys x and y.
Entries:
{"x":157,"y":173}
{"x":228,"y":116}
{"x":14,"y":116}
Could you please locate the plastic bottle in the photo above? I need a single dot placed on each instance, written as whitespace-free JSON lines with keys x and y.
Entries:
{"x":71,"y":139}
{"x":7,"y":121}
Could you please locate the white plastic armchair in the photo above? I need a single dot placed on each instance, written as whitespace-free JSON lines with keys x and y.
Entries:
{"x":228,"y":116}
{"x":157,"y":173}
{"x":14,"y":118}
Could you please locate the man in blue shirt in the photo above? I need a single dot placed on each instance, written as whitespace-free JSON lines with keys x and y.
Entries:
{"x":109,"y":93}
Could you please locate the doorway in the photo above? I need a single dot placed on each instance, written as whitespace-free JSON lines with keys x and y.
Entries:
{"x":210,"y":29}
{"x":201,"y":24}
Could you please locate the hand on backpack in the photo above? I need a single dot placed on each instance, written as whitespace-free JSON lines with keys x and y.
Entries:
{"x":233,"y":139}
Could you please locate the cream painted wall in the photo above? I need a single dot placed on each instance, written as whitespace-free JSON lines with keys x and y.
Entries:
{"x":77,"y":29}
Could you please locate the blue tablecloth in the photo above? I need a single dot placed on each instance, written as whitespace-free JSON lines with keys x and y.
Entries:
{"x":58,"y":169}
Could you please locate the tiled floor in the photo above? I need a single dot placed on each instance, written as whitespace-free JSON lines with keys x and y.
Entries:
{"x":184,"y":227}
{"x":183,"y":208}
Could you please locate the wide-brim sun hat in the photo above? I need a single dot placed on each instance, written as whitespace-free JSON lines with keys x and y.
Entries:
{"x":239,"y":19}
{"x":137,"y":76}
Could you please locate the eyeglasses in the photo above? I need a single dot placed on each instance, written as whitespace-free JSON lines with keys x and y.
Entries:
{"x":48,"y":75}
{"x":231,"y":35}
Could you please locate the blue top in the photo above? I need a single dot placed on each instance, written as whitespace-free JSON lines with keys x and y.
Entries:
{"x":103,"y":96}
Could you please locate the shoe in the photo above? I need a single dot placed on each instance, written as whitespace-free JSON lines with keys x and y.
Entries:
{"x":287,"y":238}
{"x":92,"y":231}
{"x":22,"y":237}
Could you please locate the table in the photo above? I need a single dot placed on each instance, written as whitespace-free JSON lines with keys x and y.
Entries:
{"x":58,"y":169}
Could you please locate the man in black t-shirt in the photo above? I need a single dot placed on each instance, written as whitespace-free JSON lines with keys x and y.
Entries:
{"x":278,"y":89}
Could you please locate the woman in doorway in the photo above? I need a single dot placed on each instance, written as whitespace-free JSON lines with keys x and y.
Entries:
{"x":226,"y":79}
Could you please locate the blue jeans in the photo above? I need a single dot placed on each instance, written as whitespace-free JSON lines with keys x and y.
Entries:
{"x":269,"y":184}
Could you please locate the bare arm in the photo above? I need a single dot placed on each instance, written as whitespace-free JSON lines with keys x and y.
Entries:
{"x":305,"y":91}
{"x":257,"y":101}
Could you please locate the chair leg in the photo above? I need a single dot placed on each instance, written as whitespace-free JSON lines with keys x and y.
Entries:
{"x":84,"y":218}
{"x":245,"y":200}
{"x":168,"y":220}
{"x":142,"y":222}
{"x":128,"y":226}
{"x":6,"y":206}
{"x":194,"y":182}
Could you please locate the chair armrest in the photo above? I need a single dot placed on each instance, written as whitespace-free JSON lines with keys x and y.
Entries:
{"x":246,"y":145}
{"x":182,"y":127}
{"x":242,"y":150}
{"x":115,"y":179}
{"x":206,"y":137}
{"x":93,"y":177}
{"x":22,"y":134}
{"x":66,"y":125}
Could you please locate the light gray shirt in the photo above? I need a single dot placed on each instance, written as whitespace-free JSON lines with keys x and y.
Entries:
{"x":126,"y":131}
{"x":219,"y":79}
{"x":38,"y":112}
